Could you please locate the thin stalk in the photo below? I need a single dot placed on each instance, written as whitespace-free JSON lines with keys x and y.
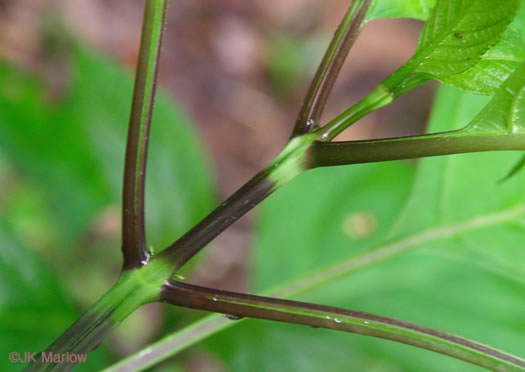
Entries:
{"x":327,"y":72}
{"x":319,"y":316}
{"x":378,"y":98}
{"x":381,"y":96}
{"x":133,"y":231}
{"x":458,"y":142}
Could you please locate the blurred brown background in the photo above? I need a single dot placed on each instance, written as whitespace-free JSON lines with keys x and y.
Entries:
{"x":240,"y":68}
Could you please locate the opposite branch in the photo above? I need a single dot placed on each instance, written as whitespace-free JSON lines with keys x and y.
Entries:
{"x":133,"y":231}
{"x":328,"y":70}
{"x":243,"y":305}
{"x":323,"y":154}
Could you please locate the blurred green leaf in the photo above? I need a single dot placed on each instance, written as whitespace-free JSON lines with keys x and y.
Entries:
{"x":515,"y":169}
{"x":354,"y":215}
{"x":286,"y":63}
{"x":33,"y":304}
{"x":519,"y":21}
{"x":66,"y":156}
{"x":24,"y":211}
{"x":74,"y":149}
{"x":418,"y":9}
{"x":466,"y":278}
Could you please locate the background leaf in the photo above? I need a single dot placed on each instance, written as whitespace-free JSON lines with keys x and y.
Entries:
{"x":63,"y":159}
{"x":418,"y":9}
{"x":361,"y":202}
{"x":75,"y":148}
{"x":33,"y":304}
{"x":519,"y":22}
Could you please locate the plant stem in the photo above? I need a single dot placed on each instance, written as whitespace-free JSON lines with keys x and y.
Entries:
{"x":378,"y":98}
{"x":327,"y":72}
{"x":133,"y":289}
{"x":457,"y":142}
{"x":243,"y":305}
{"x":383,"y":95}
{"x":133,"y":231}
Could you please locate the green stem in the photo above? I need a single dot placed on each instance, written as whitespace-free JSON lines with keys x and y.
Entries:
{"x":133,"y":231}
{"x":378,"y":98}
{"x":133,"y":289}
{"x":457,"y":142}
{"x":333,"y":60}
{"x":384,"y":94}
{"x":243,"y":305}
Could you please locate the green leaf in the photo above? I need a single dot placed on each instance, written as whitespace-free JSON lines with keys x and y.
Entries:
{"x":74,"y":149}
{"x":519,"y":22}
{"x":418,"y":9}
{"x":357,"y":220}
{"x":504,"y":114}
{"x":494,"y":67}
{"x":455,"y":37}
{"x":459,"y":32}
